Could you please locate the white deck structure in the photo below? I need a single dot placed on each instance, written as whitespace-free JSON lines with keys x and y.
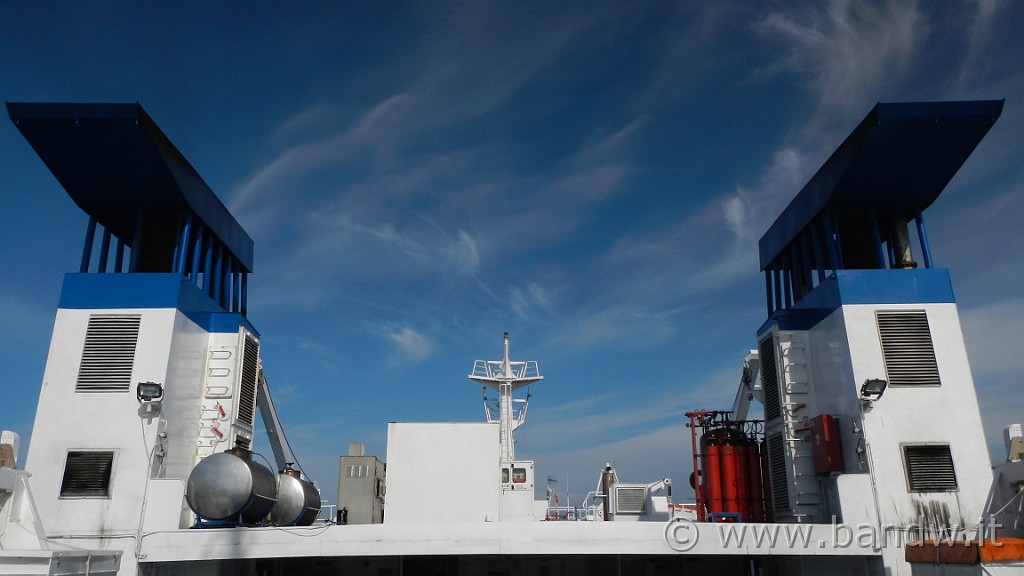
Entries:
{"x":153,"y":367}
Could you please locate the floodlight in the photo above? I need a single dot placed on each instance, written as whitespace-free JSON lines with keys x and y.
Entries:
{"x":149,"y":391}
{"x":873,"y":389}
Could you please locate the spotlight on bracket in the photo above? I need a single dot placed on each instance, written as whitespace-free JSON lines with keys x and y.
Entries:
{"x":149,"y":394}
{"x":873,"y":389}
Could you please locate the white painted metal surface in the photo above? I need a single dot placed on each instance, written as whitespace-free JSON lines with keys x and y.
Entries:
{"x":506,"y":377}
{"x":444,"y":472}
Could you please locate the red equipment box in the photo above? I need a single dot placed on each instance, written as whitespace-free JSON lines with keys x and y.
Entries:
{"x":828,"y":453}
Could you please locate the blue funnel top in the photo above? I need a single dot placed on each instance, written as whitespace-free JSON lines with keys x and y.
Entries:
{"x":116,"y":164}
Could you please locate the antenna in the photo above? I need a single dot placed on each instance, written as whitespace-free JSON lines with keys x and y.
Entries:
{"x":506,"y":376}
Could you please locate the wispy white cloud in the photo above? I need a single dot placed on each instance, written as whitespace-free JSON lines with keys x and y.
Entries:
{"x":979,"y":34}
{"x":253,"y":199}
{"x":313,"y":117}
{"x":611,"y":148}
{"x":411,"y":346}
{"x":750,"y":208}
{"x":849,"y":50}
{"x":528,"y":299}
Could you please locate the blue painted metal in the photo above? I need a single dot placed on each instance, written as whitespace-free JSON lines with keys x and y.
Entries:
{"x":236,"y":283}
{"x":104,"y":250}
{"x":136,"y":244}
{"x":922,"y":235}
{"x":86,"y":291}
{"x":197,"y":253}
{"x":819,"y":256}
{"x":244,"y":305}
{"x":892,"y":166}
{"x":115,"y":162}
{"x":795,"y":265}
{"x":177,"y":248}
{"x":787,"y":279}
{"x":119,"y":256}
{"x":90,"y":237}
{"x":847,"y":287}
{"x":777,"y":278}
{"x":216,"y":271}
{"x":898,"y":159}
{"x":890,"y":254}
{"x":208,"y":265}
{"x":225,"y":281}
{"x":183,"y":246}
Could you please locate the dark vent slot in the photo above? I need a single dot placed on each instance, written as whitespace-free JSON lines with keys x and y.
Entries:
{"x":87,"y":474}
{"x":930,"y":468}
{"x":769,"y":379}
{"x":907,"y":348}
{"x":250,"y":371}
{"x":109,"y":354}
{"x":777,"y":468}
{"x":247,"y":385}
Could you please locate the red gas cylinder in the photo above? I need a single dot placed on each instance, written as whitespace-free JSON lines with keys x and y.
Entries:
{"x":754,"y":487}
{"x":712,"y":478}
{"x":732,"y":481}
{"x":724,"y":463}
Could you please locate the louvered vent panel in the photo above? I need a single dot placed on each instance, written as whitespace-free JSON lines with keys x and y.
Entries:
{"x":930,"y":468}
{"x":250,"y":371}
{"x":247,"y":385}
{"x":109,"y":354}
{"x":87,"y":474}
{"x":630,"y":499}
{"x":777,"y":470}
{"x":907,"y":348}
{"x":769,"y":379}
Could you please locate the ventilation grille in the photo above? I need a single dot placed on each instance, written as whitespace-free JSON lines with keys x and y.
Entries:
{"x":87,"y":474}
{"x":930,"y":468}
{"x":777,"y":471}
{"x":250,"y":372}
{"x":769,"y":379}
{"x":109,"y":354}
{"x":907,"y":348}
{"x":630,"y":499}
{"x":247,"y":389}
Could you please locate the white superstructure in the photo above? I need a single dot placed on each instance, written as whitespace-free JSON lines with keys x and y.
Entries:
{"x":871,"y":436}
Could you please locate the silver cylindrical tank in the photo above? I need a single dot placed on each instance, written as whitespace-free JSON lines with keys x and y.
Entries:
{"x":298,"y":502}
{"x":229,"y":486}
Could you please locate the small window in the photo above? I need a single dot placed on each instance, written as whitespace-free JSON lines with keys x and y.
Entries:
{"x":518,"y":475}
{"x":504,"y":475}
{"x":87,"y":475}
{"x":929,"y":468}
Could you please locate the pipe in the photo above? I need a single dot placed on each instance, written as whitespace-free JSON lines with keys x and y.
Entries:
{"x":607,"y":479}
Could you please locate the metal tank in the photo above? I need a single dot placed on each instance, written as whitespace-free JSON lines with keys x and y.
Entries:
{"x":298,"y":502}
{"x":731,"y":475}
{"x":229,"y":487}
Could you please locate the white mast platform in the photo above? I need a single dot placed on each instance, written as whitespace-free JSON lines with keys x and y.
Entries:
{"x":506,"y":376}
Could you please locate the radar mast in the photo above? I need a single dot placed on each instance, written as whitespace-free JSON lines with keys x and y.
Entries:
{"x":506,"y":376}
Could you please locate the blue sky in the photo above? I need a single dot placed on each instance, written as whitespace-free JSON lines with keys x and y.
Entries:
{"x":590,"y":177}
